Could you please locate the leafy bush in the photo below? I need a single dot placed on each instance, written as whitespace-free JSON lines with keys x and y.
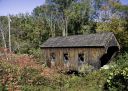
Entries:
{"x":122,"y":60}
{"x":7,"y":68}
{"x":31,"y":76}
{"x":40,"y":80}
{"x":30,"y":79}
{"x":3,"y":88}
{"x":9,"y":75}
{"x":118,"y":80}
{"x":86,"y":69}
{"x":37,"y":88}
{"x":93,"y":81}
{"x":28,"y":75}
{"x":35,"y":52}
{"x":118,"y":77}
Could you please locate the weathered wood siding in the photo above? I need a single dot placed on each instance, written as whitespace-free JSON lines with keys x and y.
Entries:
{"x":91,"y":56}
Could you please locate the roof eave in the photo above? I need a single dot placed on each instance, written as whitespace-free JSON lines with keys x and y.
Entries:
{"x":74,"y":47}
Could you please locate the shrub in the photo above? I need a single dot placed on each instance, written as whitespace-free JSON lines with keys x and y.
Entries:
{"x":86,"y":69}
{"x":28,"y":75}
{"x":3,"y":88}
{"x":40,"y":80}
{"x":37,"y":88}
{"x":117,"y":80}
{"x":31,"y":76}
{"x":9,"y":74}
{"x":122,"y":60}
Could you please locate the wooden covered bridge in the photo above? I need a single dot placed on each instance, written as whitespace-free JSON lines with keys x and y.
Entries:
{"x":72,"y":52}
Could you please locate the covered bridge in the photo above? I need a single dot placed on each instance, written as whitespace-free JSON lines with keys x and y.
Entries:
{"x":72,"y":52}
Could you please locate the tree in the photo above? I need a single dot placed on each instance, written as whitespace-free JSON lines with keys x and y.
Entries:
{"x":3,"y":30}
{"x":117,"y":23}
{"x":65,"y":16}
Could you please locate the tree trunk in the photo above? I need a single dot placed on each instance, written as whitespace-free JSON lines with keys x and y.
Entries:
{"x":66,"y":26}
{"x":9,"y":33}
{"x":63,"y":29}
{"x":3,"y":38}
{"x":4,"y":42}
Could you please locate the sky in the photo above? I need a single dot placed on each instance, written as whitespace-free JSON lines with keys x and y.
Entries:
{"x":124,"y":1}
{"x":18,"y":6}
{"x":23,"y":6}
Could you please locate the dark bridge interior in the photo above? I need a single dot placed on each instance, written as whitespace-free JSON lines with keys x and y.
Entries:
{"x":106,"y":57}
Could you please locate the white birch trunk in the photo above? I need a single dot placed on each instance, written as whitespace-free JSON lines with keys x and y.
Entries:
{"x":9,"y":33}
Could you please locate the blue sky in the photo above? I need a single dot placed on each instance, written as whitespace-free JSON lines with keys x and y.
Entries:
{"x":23,"y":6}
{"x":124,"y":1}
{"x":18,"y":6}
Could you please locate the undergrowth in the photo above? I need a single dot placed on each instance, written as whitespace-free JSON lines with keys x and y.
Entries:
{"x":30,"y":79}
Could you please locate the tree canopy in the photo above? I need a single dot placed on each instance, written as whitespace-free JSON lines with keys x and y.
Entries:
{"x":63,"y":18}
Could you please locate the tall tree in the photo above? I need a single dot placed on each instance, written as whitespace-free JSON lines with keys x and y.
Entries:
{"x":117,"y":22}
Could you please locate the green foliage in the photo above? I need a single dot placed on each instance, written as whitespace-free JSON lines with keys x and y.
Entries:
{"x":86,"y":69}
{"x":36,"y":52}
{"x":8,"y":69}
{"x":36,"y":88}
{"x":118,"y":77}
{"x":3,"y":88}
{"x":69,"y":16}
{"x":73,"y":17}
{"x":27,"y":33}
{"x":91,"y":82}
{"x":31,"y":76}
{"x":12,"y":75}
{"x":28,"y":75}
{"x":8,"y":75}
{"x":122,"y":60}
{"x":117,"y":26}
{"x":32,"y":80}
{"x":118,"y":80}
